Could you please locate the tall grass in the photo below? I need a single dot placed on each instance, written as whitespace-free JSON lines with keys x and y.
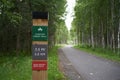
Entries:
{"x":15,"y":68}
{"x":53,"y":71}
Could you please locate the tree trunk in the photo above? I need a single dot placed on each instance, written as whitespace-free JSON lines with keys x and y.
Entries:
{"x":112,"y":14}
{"x":92,"y":34}
{"x":113,"y":41}
{"x":119,"y":38}
{"x":103,"y":40}
{"x":82,"y":38}
{"x":18,"y":42}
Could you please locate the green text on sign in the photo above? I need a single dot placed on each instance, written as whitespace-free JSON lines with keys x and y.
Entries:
{"x":39,"y":33}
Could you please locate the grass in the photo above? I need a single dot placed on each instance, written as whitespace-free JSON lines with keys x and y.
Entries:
{"x":20,"y":68}
{"x":15,"y":68}
{"x":104,"y":53}
{"x":53,"y":71}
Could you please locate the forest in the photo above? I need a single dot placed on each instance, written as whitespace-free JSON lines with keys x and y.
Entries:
{"x":16,"y":23}
{"x":96,"y":24}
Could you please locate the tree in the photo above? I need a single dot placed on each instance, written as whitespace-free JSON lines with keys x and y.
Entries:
{"x":97,"y":23}
{"x":16,"y":23}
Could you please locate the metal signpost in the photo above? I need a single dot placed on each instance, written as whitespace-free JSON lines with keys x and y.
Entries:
{"x":39,"y":45}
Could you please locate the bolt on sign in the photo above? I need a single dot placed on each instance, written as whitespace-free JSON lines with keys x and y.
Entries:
{"x":39,"y":45}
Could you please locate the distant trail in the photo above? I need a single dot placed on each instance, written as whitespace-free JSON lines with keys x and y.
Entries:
{"x":91,"y":67}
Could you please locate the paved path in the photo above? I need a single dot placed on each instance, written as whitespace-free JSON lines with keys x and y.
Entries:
{"x":91,"y":67}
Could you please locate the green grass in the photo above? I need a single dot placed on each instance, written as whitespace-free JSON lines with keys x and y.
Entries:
{"x":104,"y":53}
{"x":15,"y":68}
{"x":53,"y":71}
{"x":20,"y":68}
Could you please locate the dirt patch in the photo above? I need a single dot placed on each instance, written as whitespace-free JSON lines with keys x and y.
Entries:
{"x":66,"y":67}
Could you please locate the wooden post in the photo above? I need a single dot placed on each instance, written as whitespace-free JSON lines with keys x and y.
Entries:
{"x":39,"y":45}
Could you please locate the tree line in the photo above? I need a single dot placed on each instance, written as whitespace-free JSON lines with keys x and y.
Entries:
{"x":16,"y":23}
{"x":97,"y":24}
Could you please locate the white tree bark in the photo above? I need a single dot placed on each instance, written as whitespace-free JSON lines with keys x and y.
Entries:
{"x":119,"y":33}
{"x":103,"y":40}
{"x":92,"y":37}
{"x":119,"y":37}
{"x":92,"y":34}
{"x":112,"y":14}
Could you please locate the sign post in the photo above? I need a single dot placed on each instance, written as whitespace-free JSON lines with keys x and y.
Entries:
{"x":39,"y":45}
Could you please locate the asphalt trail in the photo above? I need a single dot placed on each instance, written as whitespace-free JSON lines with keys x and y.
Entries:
{"x":91,"y":67}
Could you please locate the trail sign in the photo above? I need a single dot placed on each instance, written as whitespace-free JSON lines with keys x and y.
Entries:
{"x":39,"y":65}
{"x":39,"y":52}
{"x":39,"y":33}
{"x":39,"y":45}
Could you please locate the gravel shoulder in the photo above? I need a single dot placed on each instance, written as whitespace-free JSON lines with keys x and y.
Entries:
{"x":66,"y":67}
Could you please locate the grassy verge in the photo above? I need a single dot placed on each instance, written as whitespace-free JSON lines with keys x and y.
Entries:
{"x":20,"y":68}
{"x":15,"y":68}
{"x":105,"y":53}
{"x":53,"y":71}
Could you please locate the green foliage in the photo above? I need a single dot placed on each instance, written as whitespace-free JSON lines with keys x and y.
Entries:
{"x":16,"y":22}
{"x":15,"y":19}
{"x":96,"y":24}
{"x":53,"y":71}
{"x":15,"y":68}
{"x":61,"y":35}
{"x":8,"y":10}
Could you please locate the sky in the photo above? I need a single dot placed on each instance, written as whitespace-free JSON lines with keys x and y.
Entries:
{"x":70,"y":13}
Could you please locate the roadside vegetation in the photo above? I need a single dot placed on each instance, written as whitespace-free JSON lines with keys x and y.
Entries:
{"x":19,"y":68}
{"x":100,"y":52}
{"x":53,"y":64}
{"x":15,"y":68}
